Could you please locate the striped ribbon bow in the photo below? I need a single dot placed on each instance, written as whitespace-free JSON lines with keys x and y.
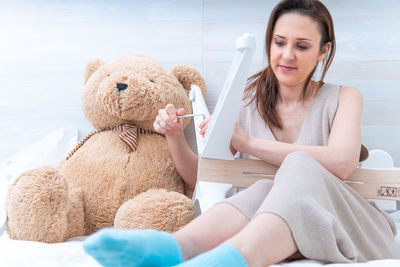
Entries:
{"x":129,"y":136}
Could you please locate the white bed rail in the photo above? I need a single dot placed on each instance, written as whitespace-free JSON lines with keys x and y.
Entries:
{"x":219,"y":132}
{"x":216,"y":143}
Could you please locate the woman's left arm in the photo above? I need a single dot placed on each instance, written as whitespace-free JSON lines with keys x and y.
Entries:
{"x":340,"y":156}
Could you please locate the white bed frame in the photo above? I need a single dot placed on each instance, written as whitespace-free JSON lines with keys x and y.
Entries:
{"x":218,"y":165}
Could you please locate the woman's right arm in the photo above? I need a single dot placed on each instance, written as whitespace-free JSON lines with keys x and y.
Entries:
{"x":185,"y":160}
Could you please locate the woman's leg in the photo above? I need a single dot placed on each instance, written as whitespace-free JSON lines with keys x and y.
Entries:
{"x":223,"y":221}
{"x":210,"y":229}
{"x":266,"y":240}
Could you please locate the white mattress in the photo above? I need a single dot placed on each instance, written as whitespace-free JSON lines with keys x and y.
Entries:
{"x":70,"y":253}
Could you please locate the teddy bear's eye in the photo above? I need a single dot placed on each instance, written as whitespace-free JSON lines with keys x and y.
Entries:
{"x":151,"y":80}
{"x":108,"y":75}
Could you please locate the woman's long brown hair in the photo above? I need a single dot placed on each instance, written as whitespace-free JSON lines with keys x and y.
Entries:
{"x":265,"y":83}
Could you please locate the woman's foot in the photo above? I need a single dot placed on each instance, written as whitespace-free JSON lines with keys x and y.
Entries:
{"x":116,"y":247}
{"x":224,"y":255}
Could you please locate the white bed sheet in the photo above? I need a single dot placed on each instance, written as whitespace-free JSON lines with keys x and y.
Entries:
{"x":49,"y":151}
{"x":15,"y":253}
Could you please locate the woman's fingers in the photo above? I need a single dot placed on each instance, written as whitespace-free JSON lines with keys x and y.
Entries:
{"x":204,"y":125}
{"x":180,"y":112}
{"x":158,"y":128}
{"x":204,"y":130}
{"x":165,"y":117}
{"x":167,"y":122}
{"x":170,"y":111}
{"x":206,"y":121}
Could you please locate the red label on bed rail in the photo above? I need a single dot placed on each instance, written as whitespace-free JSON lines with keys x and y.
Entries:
{"x":388,"y":191}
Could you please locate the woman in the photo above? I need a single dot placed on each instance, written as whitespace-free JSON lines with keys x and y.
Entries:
{"x":308,"y":128}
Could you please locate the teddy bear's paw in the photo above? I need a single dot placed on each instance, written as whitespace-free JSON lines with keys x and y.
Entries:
{"x":36,"y":206}
{"x":157,"y":209}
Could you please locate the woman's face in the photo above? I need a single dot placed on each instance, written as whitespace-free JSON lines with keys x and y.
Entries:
{"x":295,"y":48}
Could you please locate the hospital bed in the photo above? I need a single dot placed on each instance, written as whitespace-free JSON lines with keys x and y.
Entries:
{"x":49,"y":150}
{"x":214,"y":184}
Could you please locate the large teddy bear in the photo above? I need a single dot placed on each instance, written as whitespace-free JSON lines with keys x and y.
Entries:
{"x":121,"y":175}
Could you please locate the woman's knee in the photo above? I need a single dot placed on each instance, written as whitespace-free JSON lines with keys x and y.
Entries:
{"x":300,"y":167}
{"x":264,"y":184}
{"x":298,"y":157}
{"x":296,"y":162}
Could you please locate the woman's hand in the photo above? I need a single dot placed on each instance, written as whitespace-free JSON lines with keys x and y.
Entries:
{"x":241,"y":140}
{"x":167,"y":122}
{"x":204,"y":125}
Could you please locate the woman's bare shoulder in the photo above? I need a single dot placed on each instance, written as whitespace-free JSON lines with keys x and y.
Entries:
{"x":350,"y":93}
{"x":350,"y":90}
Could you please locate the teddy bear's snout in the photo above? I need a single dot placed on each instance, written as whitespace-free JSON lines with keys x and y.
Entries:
{"x":121,"y":86}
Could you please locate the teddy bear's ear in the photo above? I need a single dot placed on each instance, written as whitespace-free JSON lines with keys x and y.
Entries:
{"x":188,"y":75}
{"x":91,"y":67}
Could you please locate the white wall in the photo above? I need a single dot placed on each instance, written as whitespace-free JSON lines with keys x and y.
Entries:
{"x":45,"y":45}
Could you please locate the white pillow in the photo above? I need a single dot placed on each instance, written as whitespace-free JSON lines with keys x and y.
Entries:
{"x":47,"y":151}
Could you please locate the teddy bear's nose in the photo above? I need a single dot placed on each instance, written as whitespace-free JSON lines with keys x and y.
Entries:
{"x":121,"y":86}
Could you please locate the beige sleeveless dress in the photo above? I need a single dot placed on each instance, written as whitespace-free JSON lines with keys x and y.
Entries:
{"x":330,"y":222}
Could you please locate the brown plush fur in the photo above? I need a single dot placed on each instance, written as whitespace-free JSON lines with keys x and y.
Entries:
{"x":140,"y":207}
{"x":104,"y":183}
